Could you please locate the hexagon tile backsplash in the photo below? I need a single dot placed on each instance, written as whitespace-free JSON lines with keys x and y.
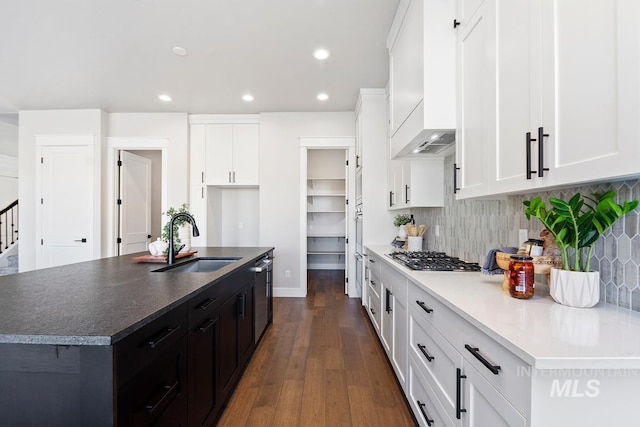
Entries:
{"x":470,"y":228}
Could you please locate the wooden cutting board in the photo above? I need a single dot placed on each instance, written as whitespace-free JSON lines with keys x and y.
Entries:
{"x":160,"y":258}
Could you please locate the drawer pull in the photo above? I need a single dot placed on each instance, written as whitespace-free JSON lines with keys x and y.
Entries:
{"x":459,"y":378}
{"x":165,"y":391}
{"x":373,"y":282}
{"x":155,"y":342}
{"x":424,"y":307}
{"x":204,"y":326}
{"x":423,"y":349}
{"x":476,"y":353}
{"x":388,"y":301}
{"x":424,"y":413}
{"x":206,"y":303}
{"x":372,"y":311}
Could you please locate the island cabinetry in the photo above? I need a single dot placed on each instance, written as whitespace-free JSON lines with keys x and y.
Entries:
{"x":204,"y":344}
{"x":236,"y":334}
{"x":151,"y":368}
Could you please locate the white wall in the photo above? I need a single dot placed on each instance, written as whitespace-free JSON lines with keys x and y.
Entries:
{"x":49,"y":122}
{"x":280,"y":183}
{"x":174,"y":127}
{"x":8,"y":180}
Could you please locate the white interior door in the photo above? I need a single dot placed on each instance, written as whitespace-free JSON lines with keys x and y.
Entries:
{"x":135,"y":206}
{"x":66,"y":205}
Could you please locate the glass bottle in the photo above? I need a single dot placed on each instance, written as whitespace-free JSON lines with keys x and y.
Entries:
{"x":521,"y":279}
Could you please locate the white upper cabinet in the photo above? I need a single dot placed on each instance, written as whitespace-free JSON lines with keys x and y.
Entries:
{"x":416,"y":183}
{"x":590,"y":92}
{"x":546,"y":94}
{"x":224,"y":150}
{"x":232,"y":154}
{"x":422,"y":73}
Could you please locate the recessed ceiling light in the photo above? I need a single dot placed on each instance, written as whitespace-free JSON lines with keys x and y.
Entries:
{"x":247,"y":97}
{"x":323,"y":96}
{"x":165,"y":98}
{"x":321,"y":54}
{"x":180,"y":51}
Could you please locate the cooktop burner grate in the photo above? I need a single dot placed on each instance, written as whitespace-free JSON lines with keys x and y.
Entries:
{"x":433,"y":261}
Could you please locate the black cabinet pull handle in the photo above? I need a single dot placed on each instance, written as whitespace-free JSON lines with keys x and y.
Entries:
{"x":165,"y":391}
{"x":476,"y":353}
{"x":388,"y":301}
{"x":357,"y":161}
{"x":529,"y":141}
{"x":424,"y":307}
{"x":372,"y":311}
{"x":204,"y":327}
{"x":206,"y":303}
{"x":202,"y":177}
{"x":423,"y":409}
{"x":243,"y":305}
{"x":373,"y":282}
{"x":406,"y":193}
{"x":459,"y":378}
{"x":390,"y":198}
{"x":423,"y":349}
{"x":371,"y":260}
{"x":155,"y":342}
{"x":455,"y":178}
{"x":541,"y":137}
{"x":455,"y":23}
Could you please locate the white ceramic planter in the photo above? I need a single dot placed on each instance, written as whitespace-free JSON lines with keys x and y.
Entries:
{"x":575,"y":288}
{"x":402,"y":232}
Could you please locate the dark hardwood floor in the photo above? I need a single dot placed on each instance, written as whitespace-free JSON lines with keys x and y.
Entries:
{"x":319,"y":364}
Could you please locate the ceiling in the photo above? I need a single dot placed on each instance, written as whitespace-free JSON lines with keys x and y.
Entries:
{"x":117,"y":54}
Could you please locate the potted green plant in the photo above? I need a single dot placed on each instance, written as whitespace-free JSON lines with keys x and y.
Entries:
{"x":576,"y":225}
{"x":181,"y":228}
{"x":400,"y":221}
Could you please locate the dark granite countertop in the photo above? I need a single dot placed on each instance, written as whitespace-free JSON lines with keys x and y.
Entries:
{"x":102,"y":301}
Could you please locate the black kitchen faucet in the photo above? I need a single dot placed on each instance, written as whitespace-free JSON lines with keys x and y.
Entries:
{"x":171,"y":256}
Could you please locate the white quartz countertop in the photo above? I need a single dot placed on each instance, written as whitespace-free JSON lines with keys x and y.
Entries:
{"x":543,"y":333}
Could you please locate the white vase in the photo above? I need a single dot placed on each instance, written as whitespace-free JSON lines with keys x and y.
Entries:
{"x":184,"y":234}
{"x":402,"y":233}
{"x":575,"y":288}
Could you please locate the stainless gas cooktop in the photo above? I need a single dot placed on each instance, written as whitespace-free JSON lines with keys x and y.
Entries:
{"x":432,"y":261}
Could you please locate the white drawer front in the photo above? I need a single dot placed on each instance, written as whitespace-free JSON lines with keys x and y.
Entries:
{"x":374,"y":283}
{"x":374,"y":264}
{"x":441,"y":317}
{"x":436,"y":359}
{"x":505,"y":371}
{"x":426,"y":407}
{"x":374,"y":311}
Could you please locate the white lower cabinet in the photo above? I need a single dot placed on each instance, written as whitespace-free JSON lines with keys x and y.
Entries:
{"x":457,"y":374}
{"x":425,"y":405}
{"x":481,"y":404}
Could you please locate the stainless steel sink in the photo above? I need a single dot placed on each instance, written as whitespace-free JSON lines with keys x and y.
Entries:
{"x":198,"y":265}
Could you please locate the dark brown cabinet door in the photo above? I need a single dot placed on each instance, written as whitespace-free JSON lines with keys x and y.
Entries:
{"x":228,"y":350}
{"x":245,"y":322}
{"x":157,"y":395}
{"x":203,"y":372}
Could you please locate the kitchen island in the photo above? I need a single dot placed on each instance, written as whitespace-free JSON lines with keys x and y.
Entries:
{"x":112,"y":342}
{"x":466,"y":353}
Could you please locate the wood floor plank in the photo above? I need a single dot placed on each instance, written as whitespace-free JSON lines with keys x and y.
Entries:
{"x":336,"y":398}
{"x":313,"y":405}
{"x":288,"y":408}
{"x":239,"y":408}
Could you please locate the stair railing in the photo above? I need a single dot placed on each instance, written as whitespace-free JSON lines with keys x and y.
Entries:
{"x":8,"y":217}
